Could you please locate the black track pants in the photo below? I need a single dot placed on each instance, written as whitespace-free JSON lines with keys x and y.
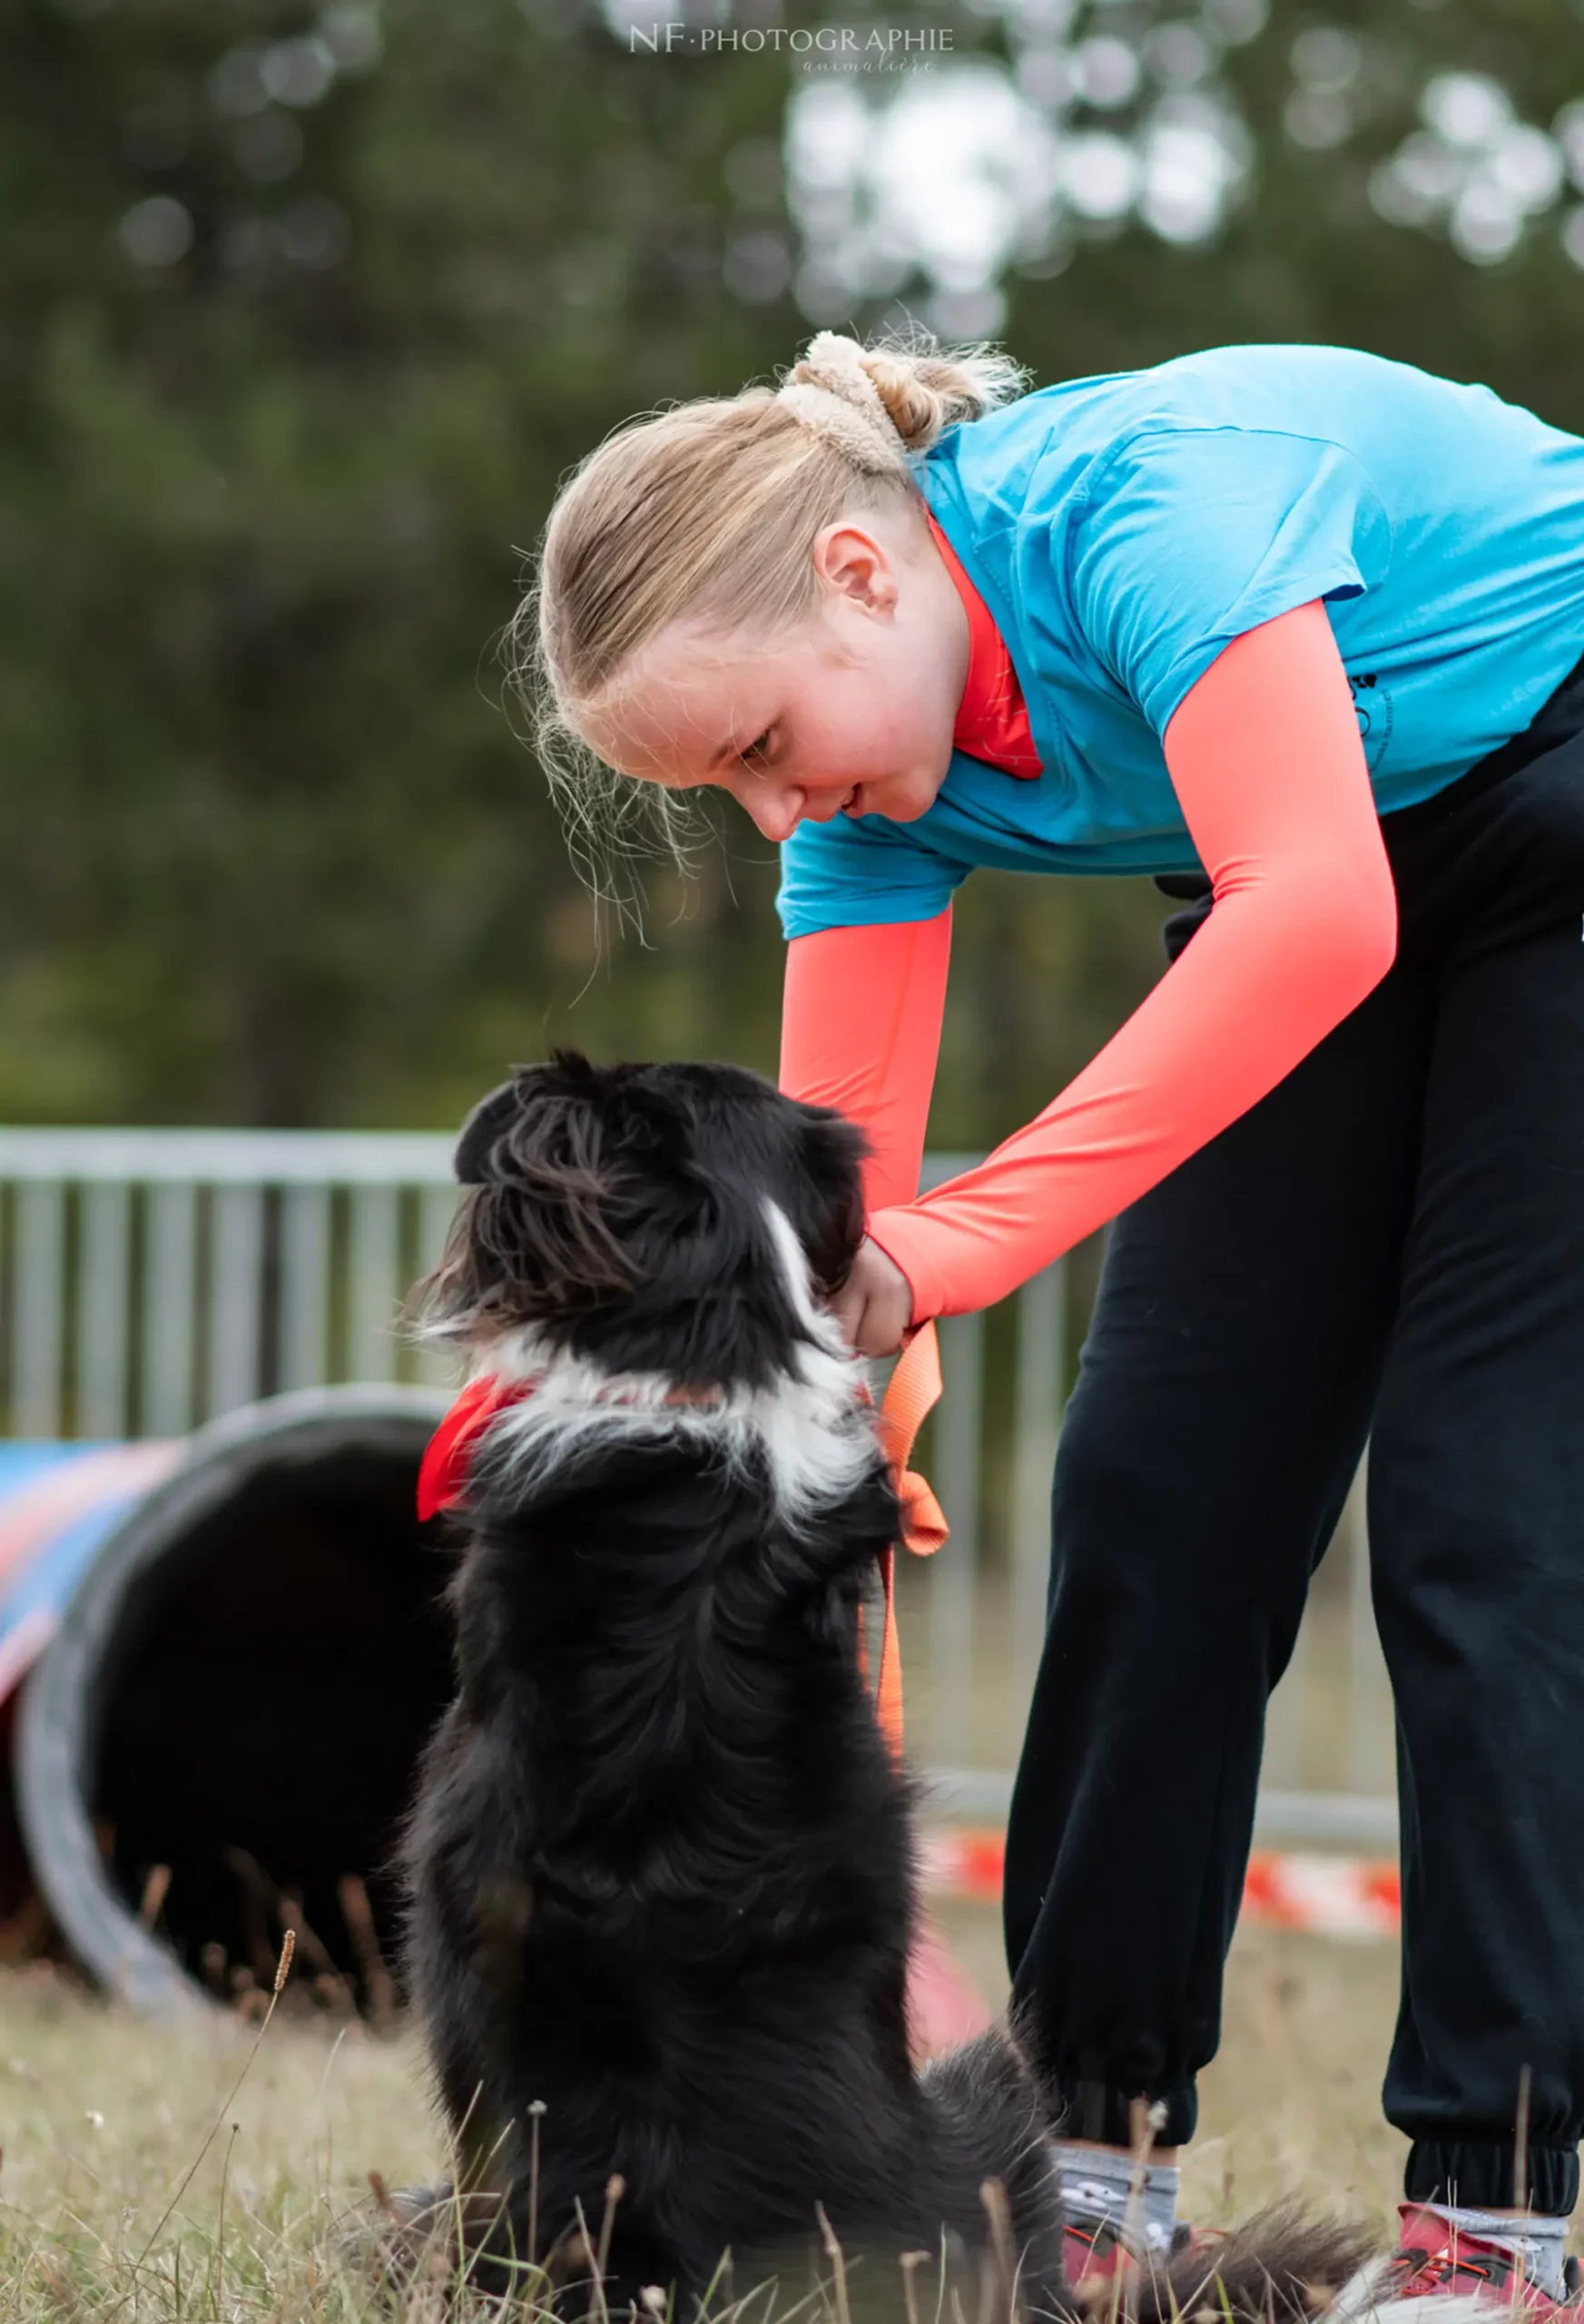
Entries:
{"x":1391,"y":1243}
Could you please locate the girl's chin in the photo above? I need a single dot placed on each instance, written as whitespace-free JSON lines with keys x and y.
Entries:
{"x":902,"y":801}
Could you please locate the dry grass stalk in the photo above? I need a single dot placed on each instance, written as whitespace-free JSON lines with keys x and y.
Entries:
{"x":156,"y":1888}
{"x":283,"y":1971}
{"x":27,"y":1934}
{"x":999,"y":2212}
{"x":258,"y":1895}
{"x":572,"y":2256}
{"x":833,"y":2253}
{"x":379,"y":1983}
{"x":615,"y":2188}
{"x":910,"y":2263}
{"x":536,"y":2116}
{"x":330,"y":1980}
{"x":220,"y":2230}
{"x":1144,"y":2122}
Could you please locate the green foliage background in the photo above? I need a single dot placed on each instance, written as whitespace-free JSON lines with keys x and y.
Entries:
{"x":269,"y":849}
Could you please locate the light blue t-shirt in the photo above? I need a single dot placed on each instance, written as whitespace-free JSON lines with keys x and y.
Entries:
{"x":1123,"y":529}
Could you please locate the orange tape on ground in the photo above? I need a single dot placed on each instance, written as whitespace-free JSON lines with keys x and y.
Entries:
{"x":1330,"y":1895}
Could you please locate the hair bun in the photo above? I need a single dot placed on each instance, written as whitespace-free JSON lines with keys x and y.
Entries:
{"x":830,"y":390}
{"x":839,"y":365}
{"x":881,"y":402}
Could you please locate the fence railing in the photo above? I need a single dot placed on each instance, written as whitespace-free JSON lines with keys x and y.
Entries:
{"x":152,"y":1279}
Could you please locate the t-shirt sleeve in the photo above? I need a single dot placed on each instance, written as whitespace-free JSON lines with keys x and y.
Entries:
{"x":866,"y":873}
{"x":1190,"y":538}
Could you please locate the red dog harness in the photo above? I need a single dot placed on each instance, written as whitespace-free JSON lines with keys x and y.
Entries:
{"x":913,"y":1391}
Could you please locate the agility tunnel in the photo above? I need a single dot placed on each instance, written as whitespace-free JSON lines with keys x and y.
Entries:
{"x":218,"y":1658}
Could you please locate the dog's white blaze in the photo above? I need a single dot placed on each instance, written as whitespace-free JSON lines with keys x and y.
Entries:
{"x":810,"y":1426}
{"x":818,"y":1436}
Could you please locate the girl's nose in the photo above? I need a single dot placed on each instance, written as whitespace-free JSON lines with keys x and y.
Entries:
{"x":777,"y":813}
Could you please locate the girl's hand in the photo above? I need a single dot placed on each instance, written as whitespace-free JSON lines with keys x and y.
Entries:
{"x":875,"y":1304}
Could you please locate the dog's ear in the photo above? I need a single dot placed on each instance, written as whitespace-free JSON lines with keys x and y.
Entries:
{"x":489,"y":1144}
{"x":534,"y":1242}
{"x":553,"y":1186}
{"x":484,"y":1125}
{"x":829,"y":1213}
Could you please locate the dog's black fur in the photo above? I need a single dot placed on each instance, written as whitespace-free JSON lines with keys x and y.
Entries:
{"x":661,"y":1869}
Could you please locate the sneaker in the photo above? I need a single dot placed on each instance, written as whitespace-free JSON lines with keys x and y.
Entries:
{"x":1098,"y":2260}
{"x":1434,"y":2262}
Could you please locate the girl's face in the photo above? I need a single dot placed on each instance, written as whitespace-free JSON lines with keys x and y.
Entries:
{"x":850,"y":713}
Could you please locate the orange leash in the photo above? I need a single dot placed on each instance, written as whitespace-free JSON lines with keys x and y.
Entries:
{"x":913,"y":1391}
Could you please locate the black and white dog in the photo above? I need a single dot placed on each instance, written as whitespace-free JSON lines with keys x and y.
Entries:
{"x":661,"y":1876}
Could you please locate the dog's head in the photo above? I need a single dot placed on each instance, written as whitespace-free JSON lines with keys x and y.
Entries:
{"x":673,"y":1218}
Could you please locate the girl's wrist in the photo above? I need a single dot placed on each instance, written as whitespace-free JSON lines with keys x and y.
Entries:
{"x":880,"y":1228}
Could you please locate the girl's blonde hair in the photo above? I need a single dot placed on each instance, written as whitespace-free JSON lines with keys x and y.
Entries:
{"x":709,"y":510}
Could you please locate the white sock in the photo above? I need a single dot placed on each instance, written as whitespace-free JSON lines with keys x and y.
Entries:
{"x":1096,"y":2190}
{"x":1537,"y":2242}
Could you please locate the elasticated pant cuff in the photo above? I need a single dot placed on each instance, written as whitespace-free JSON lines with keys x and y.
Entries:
{"x":1480,"y":2177}
{"x":1094,"y":2109}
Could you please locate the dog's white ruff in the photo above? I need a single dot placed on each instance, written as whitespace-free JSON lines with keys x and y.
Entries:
{"x":811,"y":1427}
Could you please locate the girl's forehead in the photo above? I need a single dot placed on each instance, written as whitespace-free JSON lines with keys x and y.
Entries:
{"x":679,"y":663}
{"x":677,"y":703}
{"x":711,"y":652}
{"x":691,"y":670}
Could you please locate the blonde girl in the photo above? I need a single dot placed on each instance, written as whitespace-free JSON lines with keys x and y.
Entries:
{"x":1298,"y":632}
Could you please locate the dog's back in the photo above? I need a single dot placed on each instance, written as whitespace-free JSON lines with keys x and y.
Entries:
{"x":661,"y":1878}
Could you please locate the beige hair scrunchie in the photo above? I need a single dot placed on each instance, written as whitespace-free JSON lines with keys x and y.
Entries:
{"x":831,"y":393}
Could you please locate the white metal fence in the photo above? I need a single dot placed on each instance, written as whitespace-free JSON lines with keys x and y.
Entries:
{"x":150,"y":1279}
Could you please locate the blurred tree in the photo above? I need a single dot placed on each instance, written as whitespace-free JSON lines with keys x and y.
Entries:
{"x":294,"y":354}
{"x":303,"y":314}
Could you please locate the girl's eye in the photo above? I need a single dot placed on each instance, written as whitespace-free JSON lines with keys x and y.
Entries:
{"x":755,"y":749}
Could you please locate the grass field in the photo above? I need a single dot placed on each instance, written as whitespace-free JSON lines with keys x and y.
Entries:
{"x":101,"y":2118}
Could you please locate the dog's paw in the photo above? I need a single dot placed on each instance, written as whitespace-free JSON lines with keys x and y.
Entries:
{"x":407,"y":2241}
